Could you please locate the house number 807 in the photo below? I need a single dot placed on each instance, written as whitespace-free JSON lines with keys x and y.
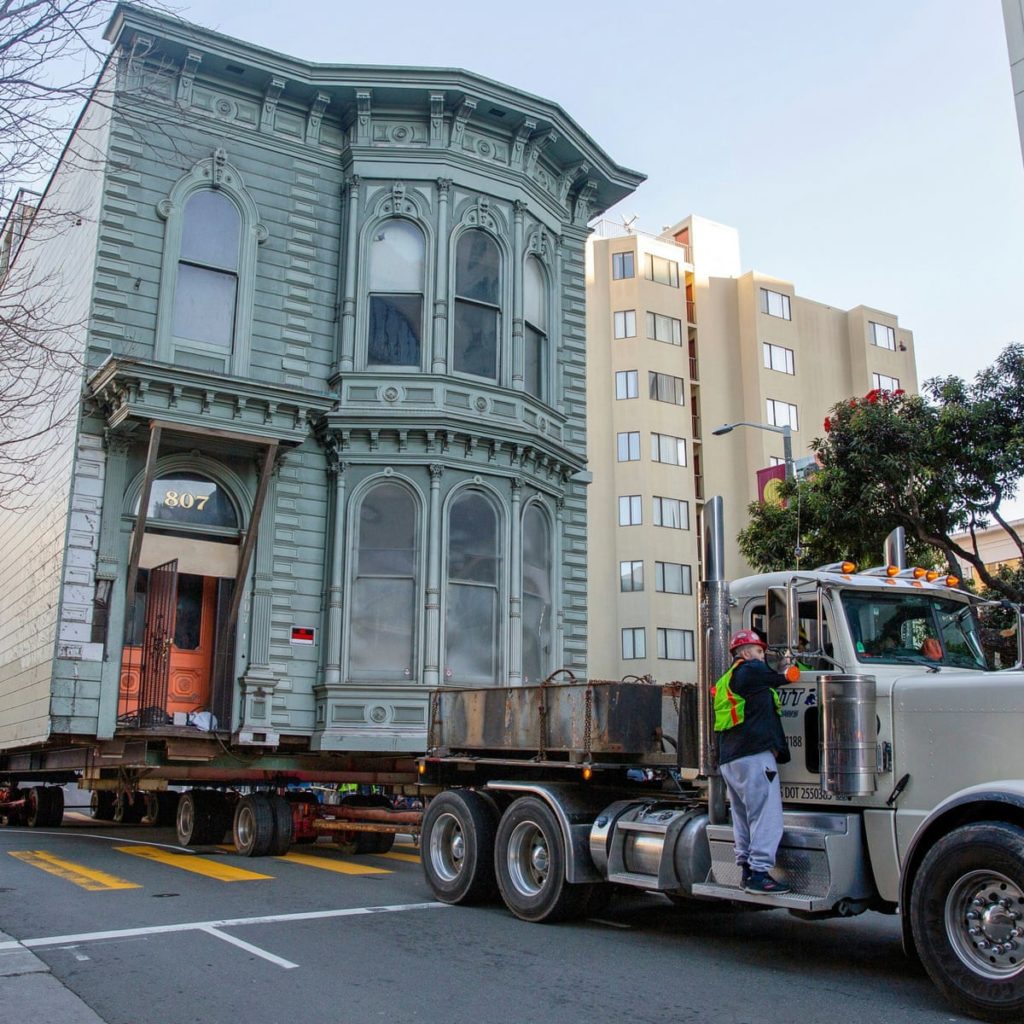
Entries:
{"x":185,"y":499}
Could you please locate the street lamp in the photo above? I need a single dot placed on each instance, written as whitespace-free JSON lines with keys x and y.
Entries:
{"x":787,"y":441}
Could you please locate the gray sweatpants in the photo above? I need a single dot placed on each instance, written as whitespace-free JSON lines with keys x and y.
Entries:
{"x":756,"y":798}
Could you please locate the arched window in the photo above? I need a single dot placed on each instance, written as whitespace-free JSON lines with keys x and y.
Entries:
{"x":471,"y":605}
{"x":207,"y":285}
{"x":535,"y":329}
{"x":383,"y":625}
{"x":477,"y":304}
{"x":537,"y":606}
{"x":397,"y":259}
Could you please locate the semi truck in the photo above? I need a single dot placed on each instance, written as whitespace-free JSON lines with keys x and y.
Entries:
{"x":904,"y":794}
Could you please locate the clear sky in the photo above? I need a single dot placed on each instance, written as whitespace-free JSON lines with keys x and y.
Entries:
{"x":867,"y":152}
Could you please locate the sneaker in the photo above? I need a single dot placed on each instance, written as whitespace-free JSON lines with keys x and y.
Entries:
{"x":762,"y":882}
{"x":744,"y":873}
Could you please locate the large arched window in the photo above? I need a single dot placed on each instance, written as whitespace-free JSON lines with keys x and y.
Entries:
{"x":477,"y":304}
{"x":206,"y":290}
{"x":397,"y":251}
{"x":535,"y":329}
{"x":383,"y":624}
{"x":537,"y":605}
{"x":471,"y":604}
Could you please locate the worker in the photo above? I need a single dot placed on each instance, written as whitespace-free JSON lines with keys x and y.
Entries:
{"x":751,"y":746}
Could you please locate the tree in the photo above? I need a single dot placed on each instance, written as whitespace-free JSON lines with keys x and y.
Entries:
{"x":938,"y":464}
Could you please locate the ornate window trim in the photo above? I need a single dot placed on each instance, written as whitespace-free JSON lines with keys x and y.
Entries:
{"x":214,"y":173}
{"x":537,"y":504}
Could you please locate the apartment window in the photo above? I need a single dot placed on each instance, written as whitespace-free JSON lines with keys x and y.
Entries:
{"x":631,"y":576}
{"x":397,"y":260}
{"x":660,"y":270}
{"x":622,"y":265}
{"x":535,"y":329}
{"x":776,"y":460}
{"x":675,"y":644}
{"x":672,"y":513}
{"x":883,"y":336}
{"x":663,"y":387}
{"x":628,"y":446}
{"x":781,"y":413}
{"x":630,"y":510}
{"x":775,"y":304}
{"x":634,"y":643}
{"x":668,"y":449}
{"x":477,"y":304}
{"x":672,"y":578}
{"x":626,"y":384}
{"x":882,"y":382}
{"x":664,"y":328}
{"x":625,"y":323}
{"x":778,"y":358}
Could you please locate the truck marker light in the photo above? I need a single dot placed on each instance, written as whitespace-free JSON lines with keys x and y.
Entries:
{"x":848,"y":567}
{"x":892,"y":570}
{"x":919,"y":572}
{"x":588,"y":774}
{"x":931,"y":575}
{"x":421,"y":768}
{"x":952,"y":581}
{"x":792,"y":674}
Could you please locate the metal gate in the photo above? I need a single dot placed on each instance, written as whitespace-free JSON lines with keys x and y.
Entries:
{"x":157,"y":638}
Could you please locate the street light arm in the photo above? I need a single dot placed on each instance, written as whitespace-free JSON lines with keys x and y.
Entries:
{"x":787,"y":440}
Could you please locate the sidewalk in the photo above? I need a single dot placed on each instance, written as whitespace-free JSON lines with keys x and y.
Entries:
{"x":30,"y":994}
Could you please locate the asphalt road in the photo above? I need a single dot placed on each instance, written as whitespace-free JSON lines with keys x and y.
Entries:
{"x":148,"y":933}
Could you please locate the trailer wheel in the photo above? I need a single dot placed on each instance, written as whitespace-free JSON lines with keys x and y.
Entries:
{"x":162,"y":807}
{"x":101,"y":804}
{"x":129,"y":811}
{"x":200,"y":818}
{"x":457,"y":847}
{"x":530,"y":862}
{"x":367,"y":842}
{"x":35,"y":807}
{"x":53,"y":805}
{"x":254,"y":825}
{"x":967,"y":918}
{"x":283,"y":825}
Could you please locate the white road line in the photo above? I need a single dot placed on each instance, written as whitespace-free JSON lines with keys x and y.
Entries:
{"x":249,"y":948}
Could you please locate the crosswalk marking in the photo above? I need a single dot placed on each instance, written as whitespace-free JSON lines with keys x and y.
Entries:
{"x":344,"y":867}
{"x":190,"y":862}
{"x":409,"y":858}
{"x":87,"y":878}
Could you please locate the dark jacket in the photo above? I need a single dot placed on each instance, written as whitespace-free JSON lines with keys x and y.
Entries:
{"x":761,"y":728}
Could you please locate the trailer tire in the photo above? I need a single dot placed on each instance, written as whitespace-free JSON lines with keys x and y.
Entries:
{"x":101,"y":804}
{"x":199,"y":819}
{"x":283,"y":825}
{"x":367,"y":842}
{"x":129,"y":811}
{"x":254,"y":825}
{"x":54,"y":806}
{"x":162,"y":807}
{"x":976,"y":961}
{"x":529,"y":860}
{"x":35,"y":807}
{"x":457,"y":847}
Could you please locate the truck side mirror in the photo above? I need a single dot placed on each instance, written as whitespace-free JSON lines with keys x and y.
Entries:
{"x":783,"y":615}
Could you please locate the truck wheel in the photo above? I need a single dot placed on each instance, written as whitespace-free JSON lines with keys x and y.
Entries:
{"x":254,"y":825}
{"x":967,"y":918}
{"x":129,"y":811}
{"x":457,"y":847}
{"x":54,"y":806}
{"x":200,"y":818}
{"x":101,"y":804}
{"x":35,"y":807}
{"x":283,"y":825}
{"x":368,"y":842}
{"x":530,"y":861}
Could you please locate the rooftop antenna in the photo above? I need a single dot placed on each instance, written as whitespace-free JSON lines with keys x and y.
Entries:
{"x":628,"y":222}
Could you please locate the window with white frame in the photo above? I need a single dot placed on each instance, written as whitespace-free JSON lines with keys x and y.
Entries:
{"x":477,"y":304}
{"x":664,"y":328}
{"x":882,"y":382}
{"x":781,"y":414}
{"x":883,"y":336}
{"x":776,"y":460}
{"x":673,"y":578}
{"x":660,"y":270}
{"x":668,"y":449}
{"x":663,"y":387}
{"x":627,"y":446}
{"x":626,"y":384}
{"x":775,"y":304}
{"x":622,"y":265}
{"x":675,"y":644}
{"x":535,"y":330}
{"x":631,"y":576}
{"x":673,"y":513}
{"x":396,"y":267}
{"x":634,"y":643}
{"x":778,"y":358}
{"x":625,"y":323}
{"x":630,"y":510}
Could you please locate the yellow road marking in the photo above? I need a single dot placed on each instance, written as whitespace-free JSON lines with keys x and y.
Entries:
{"x":87,"y":878}
{"x":190,"y":862}
{"x":345,"y":867}
{"x":409,"y":858}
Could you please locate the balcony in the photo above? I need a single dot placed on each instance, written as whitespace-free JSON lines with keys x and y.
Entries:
{"x":610,"y":229}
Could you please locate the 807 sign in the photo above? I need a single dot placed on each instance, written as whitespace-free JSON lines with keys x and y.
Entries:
{"x":185,"y":500}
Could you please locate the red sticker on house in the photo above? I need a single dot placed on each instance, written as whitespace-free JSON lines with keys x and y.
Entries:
{"x":303,"y":635}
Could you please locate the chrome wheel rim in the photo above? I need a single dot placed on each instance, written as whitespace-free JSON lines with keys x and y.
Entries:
{"x":984,"y":919}
{"x":245,"y":826}
{"x":186,"y":817}
{"x":447,"y":847}
{"x":529,"y":858}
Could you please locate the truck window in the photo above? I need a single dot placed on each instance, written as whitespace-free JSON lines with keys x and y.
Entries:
{"x":809,"y":642}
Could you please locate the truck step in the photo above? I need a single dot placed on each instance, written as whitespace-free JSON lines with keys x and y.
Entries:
{"x":635,"y":879}
{"x":788,"y":901}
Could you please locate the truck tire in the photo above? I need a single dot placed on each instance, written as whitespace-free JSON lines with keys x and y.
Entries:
{"x":457,"y":847}
{"x":36,"y":804}
{"x":54,"y":806}
{"x":368,"y":842}
{"x":254,"y":825}
{"x":530,"y":862}
{"x":101,"y":804}
{"x":283,"y":825}
{"x":967,"y":919}
{"x":129,"y":811}
{"x":200,"y":818}
{"x":161,"y":807}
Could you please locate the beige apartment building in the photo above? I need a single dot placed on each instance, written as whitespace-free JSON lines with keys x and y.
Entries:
{"x":679,"y":342}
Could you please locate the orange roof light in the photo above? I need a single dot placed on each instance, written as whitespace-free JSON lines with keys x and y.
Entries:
{"x":892,"y":570}
{"x":918,"y":572}
{"x":848,"y":567}
{"x":952,"y":581}
{"x":931,"y":575}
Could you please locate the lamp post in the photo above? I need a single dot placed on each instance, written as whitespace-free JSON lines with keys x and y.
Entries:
{"x":787,"y":440}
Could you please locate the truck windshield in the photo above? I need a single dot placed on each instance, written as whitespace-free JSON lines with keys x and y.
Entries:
{"x":927,"y":629}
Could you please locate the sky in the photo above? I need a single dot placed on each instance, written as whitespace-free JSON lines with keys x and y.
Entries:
{"x":867,"y":152}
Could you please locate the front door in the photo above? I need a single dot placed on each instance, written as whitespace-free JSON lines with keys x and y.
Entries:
{"x":158,"y":636}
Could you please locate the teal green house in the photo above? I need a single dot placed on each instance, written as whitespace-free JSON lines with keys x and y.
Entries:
{"x":327,"y":448}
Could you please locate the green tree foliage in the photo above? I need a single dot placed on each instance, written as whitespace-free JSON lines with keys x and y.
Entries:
{"x":938,"y":464}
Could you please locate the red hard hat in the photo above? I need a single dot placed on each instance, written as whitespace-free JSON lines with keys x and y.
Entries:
{"x":746,"y":636}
